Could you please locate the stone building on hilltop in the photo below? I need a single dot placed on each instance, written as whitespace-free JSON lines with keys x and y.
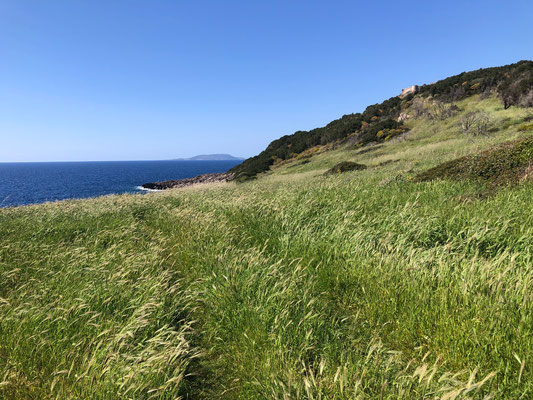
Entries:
{"x":410,"y":90}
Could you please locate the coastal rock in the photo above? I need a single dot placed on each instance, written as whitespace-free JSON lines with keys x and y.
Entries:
{"x":403,"y":117}
{"x":200,"y":179}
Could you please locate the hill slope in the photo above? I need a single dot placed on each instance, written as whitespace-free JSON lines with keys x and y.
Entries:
{"x":365,"y":284}
{"x":512,"y":83}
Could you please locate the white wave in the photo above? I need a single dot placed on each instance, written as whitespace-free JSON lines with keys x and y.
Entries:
{"x":146,"y":189}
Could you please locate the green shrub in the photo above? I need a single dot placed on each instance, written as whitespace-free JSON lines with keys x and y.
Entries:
{"x":345,"y":166}
{"x":503,"y":165}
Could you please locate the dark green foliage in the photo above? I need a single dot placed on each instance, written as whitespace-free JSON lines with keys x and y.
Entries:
{"x":513,"y":83}
{"x":505,"y":164}
{"x":365,"y":126}
{"x":517,"y":89}
{"x":369,"y":134}
{"x":345,"y":166}
{"x":387,"y":108}
{"x":289,"y":145}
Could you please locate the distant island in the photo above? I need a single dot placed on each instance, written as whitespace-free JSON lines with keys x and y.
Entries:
{"x":212,"y":157}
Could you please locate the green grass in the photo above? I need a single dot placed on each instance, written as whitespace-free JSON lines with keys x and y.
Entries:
{"x":363,"y":285}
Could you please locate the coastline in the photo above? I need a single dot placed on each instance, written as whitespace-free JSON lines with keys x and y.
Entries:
{"x":179,"y":183}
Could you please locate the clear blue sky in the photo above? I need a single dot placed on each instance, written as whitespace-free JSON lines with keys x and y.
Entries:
{"x":139,"y":79}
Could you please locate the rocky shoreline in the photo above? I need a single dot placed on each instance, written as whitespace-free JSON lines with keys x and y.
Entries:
{"x":200,"y":179}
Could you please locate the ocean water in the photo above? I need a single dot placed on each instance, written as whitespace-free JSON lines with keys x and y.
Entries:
{"x":29,"y":183}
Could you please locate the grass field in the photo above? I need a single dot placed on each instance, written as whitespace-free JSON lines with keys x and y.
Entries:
{"x":364,"y":285}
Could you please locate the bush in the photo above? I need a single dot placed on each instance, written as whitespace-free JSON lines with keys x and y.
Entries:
{"x":527,"y":99}
{"x":517,"y":89}
{"x":485,"y":94}
{"x":505,"y":164}
{"x":476,"y":123}
{"x":345,"y":166}
{"x":441,"y":111}
{"x":432,"y":109}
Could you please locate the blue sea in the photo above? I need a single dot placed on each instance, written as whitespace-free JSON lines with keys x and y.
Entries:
{"x":30,"y":183}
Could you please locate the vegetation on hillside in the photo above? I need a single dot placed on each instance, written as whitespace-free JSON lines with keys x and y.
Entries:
{"x":509,"y":163}
{"x":513,"y":83}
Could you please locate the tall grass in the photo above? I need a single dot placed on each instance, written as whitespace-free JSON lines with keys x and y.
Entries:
{"x":333,"y":288}
{"x":298,"y":286}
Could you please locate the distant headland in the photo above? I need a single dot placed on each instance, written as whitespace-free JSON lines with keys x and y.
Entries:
{"x":212,"y":157}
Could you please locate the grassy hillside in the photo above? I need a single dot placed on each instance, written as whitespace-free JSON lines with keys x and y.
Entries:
{"x":513,"y":85}
{"x":361,"y":285}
